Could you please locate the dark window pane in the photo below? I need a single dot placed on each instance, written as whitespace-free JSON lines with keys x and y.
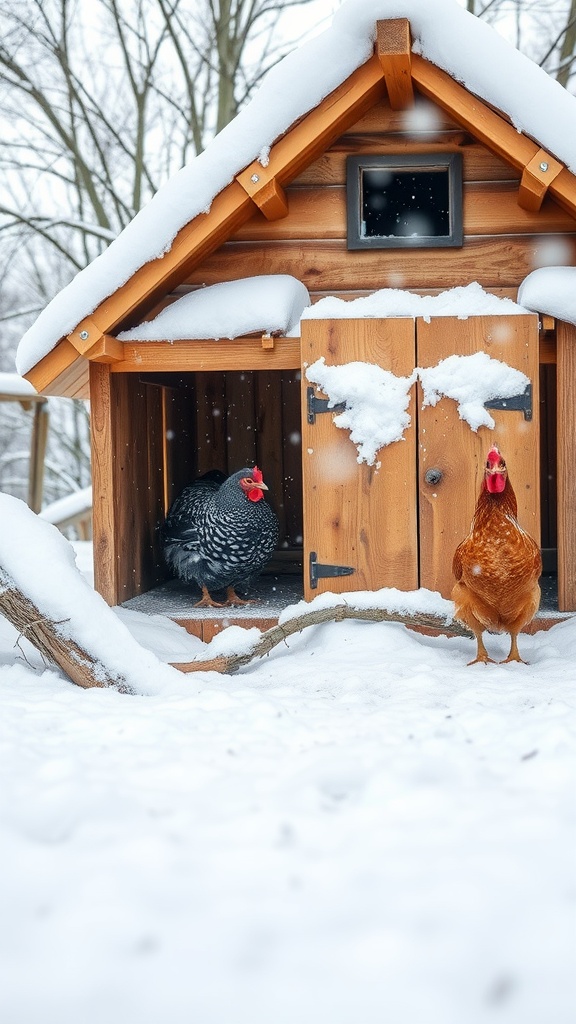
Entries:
{"x":405,"y":204}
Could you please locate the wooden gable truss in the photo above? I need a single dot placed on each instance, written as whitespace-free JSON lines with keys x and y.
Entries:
{"x":393,"y":71}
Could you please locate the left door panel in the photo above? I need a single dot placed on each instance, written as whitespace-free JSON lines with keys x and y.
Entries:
{"x":355,"y":515}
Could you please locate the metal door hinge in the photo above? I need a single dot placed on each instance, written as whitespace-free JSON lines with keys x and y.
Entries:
{"x":518,"y":403}
{"x":315,"y":405}
{"x":319,"y":571}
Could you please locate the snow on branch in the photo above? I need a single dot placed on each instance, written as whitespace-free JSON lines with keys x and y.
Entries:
{"x":327,"y":608}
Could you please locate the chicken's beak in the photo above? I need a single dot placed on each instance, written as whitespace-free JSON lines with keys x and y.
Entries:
{"x":261,"y":486}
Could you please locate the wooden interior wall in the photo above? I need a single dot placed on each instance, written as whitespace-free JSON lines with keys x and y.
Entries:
{"x":229,"y":420}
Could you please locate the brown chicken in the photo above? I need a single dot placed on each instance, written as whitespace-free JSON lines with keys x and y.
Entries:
{"x":497,"y":566}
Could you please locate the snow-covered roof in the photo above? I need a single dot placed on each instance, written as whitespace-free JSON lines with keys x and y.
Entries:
{"x":279,"y":302}
{"x":267,"y":303}
{"x":443,"y":32}
{"x":551,"y":290}
{"x":464,"y":301}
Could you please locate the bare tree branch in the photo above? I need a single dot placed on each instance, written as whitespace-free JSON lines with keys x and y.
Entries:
{"x":279,"y":633}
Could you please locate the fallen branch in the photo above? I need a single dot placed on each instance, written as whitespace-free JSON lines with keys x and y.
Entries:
{"x":277,"y":634}
{"x":51,"y":640}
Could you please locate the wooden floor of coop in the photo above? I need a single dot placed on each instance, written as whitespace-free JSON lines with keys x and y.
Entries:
{"x":272,"y":592}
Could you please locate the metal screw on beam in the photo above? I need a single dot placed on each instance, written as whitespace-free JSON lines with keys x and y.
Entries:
{"x":255,"y":178}
{"x":543,"y":166}
{"x":84,"y":335}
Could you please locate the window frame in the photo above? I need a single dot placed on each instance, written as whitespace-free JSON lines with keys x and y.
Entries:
{"x":451,"y":162}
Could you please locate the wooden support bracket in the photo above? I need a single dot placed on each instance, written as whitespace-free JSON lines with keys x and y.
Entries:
{"x":106,"y":350}
{"x":85,"y":336}
{"x":268,"y":342}
{"x":394,"y":46}
{"x":265,"y":191}
{"x":537,"y":175}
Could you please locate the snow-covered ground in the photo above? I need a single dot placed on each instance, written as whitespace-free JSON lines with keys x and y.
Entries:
{"x":358,"y":829}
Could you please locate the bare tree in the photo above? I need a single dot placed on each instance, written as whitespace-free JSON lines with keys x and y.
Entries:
{"x":101,"y":102}
{"x":543,"y":29}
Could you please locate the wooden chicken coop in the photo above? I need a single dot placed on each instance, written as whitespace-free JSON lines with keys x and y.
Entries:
{"x":163,"y":412}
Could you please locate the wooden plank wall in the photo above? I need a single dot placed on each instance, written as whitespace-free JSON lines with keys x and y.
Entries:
{"x":502,"y":244}
{"x":128,"y":476}
{"x":566,"y":481}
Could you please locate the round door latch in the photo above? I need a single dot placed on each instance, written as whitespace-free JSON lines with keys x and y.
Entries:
{"x":433,"y":476}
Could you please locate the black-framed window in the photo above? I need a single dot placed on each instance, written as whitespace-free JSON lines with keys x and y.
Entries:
{"x":407,"y":201}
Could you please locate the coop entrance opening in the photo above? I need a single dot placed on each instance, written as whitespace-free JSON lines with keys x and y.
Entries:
{"x":226,"y":420}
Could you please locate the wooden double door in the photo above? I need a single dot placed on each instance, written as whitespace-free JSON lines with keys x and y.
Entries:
{"x":397,"y":524}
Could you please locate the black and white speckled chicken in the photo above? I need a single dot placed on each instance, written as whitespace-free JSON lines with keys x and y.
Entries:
{"x":220,"y":532}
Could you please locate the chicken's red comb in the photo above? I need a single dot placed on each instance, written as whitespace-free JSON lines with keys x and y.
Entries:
{"x":494,"y":454}
{"x":257,"y":475}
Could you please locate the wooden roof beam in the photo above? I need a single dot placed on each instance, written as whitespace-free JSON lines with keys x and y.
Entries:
{"x":394,"y":50}
{"x":478,"y":118}
{"x":317,"y":130}
{"x":84,"y":337}
{"x":490,"y":128}
{"x":249,"y":353}
{"x":302,"y":143}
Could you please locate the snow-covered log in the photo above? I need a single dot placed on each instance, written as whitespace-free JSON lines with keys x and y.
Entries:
{"x":51,"y":639}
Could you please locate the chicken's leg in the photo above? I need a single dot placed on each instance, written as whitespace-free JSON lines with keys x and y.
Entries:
{"x":206,"y":601}
{"x":514,"y":654}
{"x":232,"y":597}
{"x":481,"y":653}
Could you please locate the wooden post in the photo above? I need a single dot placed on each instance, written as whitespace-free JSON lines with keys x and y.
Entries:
{"x":105,"y":540}
{"x":37,"y":454}
{"x":393,"y":46}
{"x":566,"y":447}
{"x":128,"y":483}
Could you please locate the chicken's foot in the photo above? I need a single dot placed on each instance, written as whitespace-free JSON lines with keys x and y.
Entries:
{"x":206,"y":601}
{"x":232,"y":597}
{"x":481,"y":652}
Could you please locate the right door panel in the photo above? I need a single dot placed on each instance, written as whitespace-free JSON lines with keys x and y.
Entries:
{"x":449,"y":445}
